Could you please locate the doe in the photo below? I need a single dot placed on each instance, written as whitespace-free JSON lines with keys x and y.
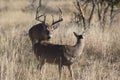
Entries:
{"x":62,"y":55}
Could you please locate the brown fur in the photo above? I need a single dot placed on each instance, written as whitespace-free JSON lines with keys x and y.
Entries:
{"x":40,"y":32}
{"x":63,"y":55}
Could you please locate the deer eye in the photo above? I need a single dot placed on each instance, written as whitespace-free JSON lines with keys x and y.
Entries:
{"x":47,"y":32}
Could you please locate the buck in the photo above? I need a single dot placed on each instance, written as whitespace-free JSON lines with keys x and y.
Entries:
{"x":61,"y":55}
{"x":40,"y":32}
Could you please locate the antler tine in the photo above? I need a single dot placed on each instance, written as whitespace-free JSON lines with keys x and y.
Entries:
{"x":60,"y":18}
{"x":52,"y":19}
{"x":37,"y":16}
{"x":44,"y":18}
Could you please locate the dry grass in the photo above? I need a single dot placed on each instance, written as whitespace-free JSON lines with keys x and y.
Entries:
{"x":100,"y":59}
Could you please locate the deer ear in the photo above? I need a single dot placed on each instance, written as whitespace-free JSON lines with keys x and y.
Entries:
{"x":75,"y":34}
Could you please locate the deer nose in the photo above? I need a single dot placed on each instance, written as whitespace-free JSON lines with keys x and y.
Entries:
{"x":50,"y":35}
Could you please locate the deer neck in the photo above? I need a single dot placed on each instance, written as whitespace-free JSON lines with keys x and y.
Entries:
{"x":79,"y":47}
{"x":79,"y":43}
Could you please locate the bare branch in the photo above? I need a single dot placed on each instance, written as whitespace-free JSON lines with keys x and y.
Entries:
{"x":37,"y":14}
{"x":91,"y":14}
{"x":99,"y":11}
{"x":104,"y":14}
{"x":78,"y":7}
{"x":116,"y":12}
{"x":60,"y":18}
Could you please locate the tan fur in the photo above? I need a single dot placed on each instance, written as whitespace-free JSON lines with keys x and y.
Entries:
{"x":62,"y":55}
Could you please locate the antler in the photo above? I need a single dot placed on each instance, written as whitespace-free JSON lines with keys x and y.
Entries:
{"x":37,"y":15}
{"x":60,"y":18}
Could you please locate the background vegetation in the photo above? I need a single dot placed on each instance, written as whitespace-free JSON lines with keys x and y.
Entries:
{"x":99,"y":61}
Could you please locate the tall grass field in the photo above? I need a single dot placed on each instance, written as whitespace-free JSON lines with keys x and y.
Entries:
{"x":100,"y":59}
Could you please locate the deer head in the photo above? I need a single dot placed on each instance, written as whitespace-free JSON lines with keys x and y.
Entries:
{"x":42,"y":31}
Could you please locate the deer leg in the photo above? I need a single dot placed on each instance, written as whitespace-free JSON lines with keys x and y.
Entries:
{"x":60,"y":71}
{"x":60,"y":68}
{"x":41,"y":63}
{"x":71,"y":71}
